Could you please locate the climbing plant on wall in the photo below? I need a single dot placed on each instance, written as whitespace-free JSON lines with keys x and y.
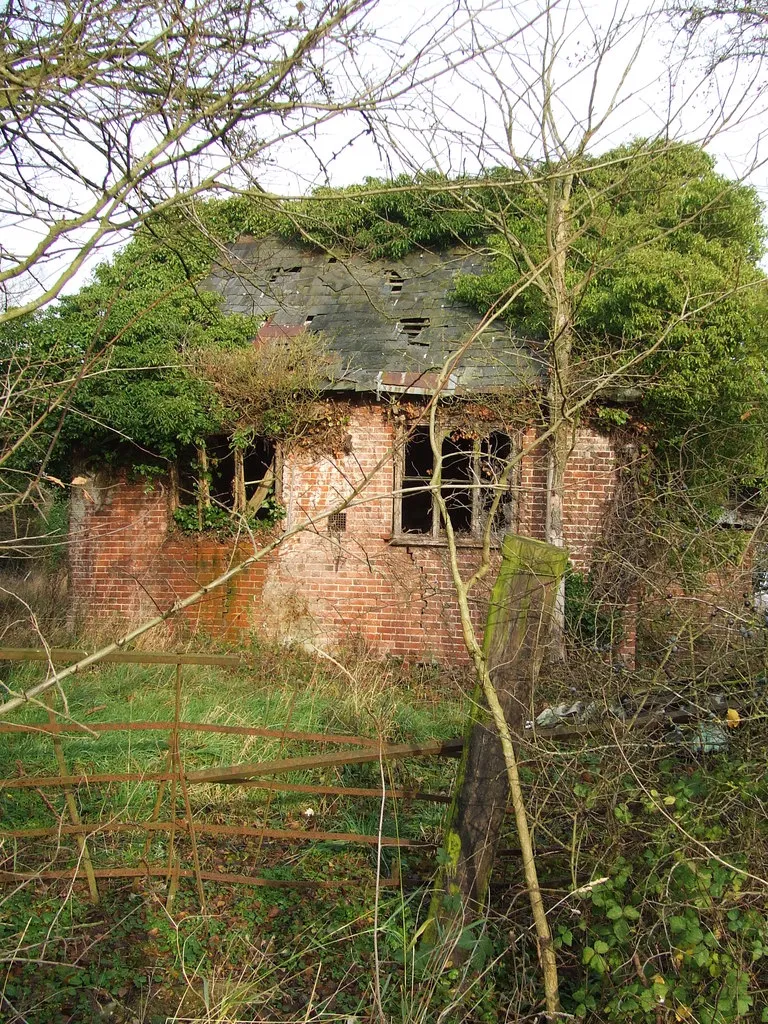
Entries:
{"x":657,"y":232}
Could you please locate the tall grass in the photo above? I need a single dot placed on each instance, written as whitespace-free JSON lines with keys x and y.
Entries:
{"x":314,"y":699}
{"x":282,"y":954}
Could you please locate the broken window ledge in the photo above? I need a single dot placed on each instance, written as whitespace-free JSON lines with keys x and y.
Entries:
{"x":416,"y":540}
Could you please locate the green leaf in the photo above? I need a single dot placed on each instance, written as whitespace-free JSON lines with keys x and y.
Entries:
{"x":648,"y":999}
{"x":743,"y":1003}
{"x":701,"y":956}
{"x":597,"y":964}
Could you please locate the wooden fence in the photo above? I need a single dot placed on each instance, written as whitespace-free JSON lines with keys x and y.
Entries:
{"x":174,"y":782}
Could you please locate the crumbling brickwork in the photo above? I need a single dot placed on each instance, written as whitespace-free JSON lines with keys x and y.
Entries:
{"x":127,"y":563}
{"x":339,"y":579}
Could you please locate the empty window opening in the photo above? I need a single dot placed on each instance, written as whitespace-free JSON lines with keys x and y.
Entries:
{"x":418,"y":455}
{"x":258,"y":474}
{"x":395,"y":282}
{"x":187,"y":475}
{"x":416,"y":501}
{"x":337,"y":522}
{"x":458,"y":506}
{"x":219,"y":475}
{"x":221,"y":471}
{"x":458,"y":453}
{"x":309,"y":320}
{"x":412,"y":327}
{"x":474,"y":484}
{"x":416,"y":509}
{"x":494,"y":473}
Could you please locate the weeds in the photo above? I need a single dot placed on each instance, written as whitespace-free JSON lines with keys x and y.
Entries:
{"x":653,"y":857}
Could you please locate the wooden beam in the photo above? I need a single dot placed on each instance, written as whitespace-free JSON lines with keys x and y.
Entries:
{"x":161,"y":871}
{"x":333,"y":759}
{"x":182,"y":825}
{"x":59,"y":656}
{"x":230,"y":730}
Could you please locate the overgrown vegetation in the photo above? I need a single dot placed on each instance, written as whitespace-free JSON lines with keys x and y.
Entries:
{"x":647,"y":846}
{"x":269,"y":389}
{"x":590,"y":624}
{"x":220,"y":521}
{"x":659,"y":231}
{"x":651,"y":856}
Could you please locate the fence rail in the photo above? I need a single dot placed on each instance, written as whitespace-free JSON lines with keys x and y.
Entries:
{"x":65,"y":655}
{"x":55,"y":728}
{"x":174,"y":782}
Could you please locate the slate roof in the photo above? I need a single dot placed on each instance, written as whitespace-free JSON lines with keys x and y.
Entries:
{"x":390,"y":325}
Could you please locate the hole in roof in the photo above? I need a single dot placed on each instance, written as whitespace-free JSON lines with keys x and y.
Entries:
{"x":282,"y":272}
{"x":395,"y":282}
{"x":332,"y":259}
{"x":412,"y":326}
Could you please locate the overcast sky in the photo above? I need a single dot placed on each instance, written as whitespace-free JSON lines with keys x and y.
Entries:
{"x":645,"y":84}
{"x":623,"y":69}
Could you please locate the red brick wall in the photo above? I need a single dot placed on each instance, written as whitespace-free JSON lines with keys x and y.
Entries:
{"x":590,"y":483}
{"x":127,"y":564}
{"x":320,"y":586}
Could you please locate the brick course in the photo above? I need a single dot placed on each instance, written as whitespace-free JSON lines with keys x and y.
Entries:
{"x":128,"y":561}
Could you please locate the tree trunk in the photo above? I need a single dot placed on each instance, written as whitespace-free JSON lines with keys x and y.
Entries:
{"x":561,"y":344}
{"x":518,"y":626}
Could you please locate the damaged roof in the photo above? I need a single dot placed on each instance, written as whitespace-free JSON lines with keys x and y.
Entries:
{"x":391,"y":326}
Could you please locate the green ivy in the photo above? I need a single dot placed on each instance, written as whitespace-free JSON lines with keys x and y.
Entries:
{"x":588,"y":623}
{"x":612,"y":416}
{"x":666,"y":931}
{"x":660,"y":230}
{"x":221,"y":521}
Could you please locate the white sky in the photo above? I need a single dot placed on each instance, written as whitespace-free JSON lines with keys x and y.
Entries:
{"x":456,"y":122}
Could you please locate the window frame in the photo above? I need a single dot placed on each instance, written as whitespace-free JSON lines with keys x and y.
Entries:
{"x":436,"y":536}
{"x":241,"y":501}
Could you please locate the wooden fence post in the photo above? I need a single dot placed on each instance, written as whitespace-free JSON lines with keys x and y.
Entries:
{"x":517,"y":629}
{"x":71,"y":803}
{"x":174,"y":754}
{"x":180,"y":778}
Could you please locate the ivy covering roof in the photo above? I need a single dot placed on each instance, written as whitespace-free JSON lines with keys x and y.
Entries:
{"x":390,"y":325}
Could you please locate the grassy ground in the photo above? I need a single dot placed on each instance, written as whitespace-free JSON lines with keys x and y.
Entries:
{"x":132,"y":960}
{"x":309,"y":700}
{"x":652,"y":856}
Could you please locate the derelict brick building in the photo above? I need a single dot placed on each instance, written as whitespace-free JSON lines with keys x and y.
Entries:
{"x":375,"y":569}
